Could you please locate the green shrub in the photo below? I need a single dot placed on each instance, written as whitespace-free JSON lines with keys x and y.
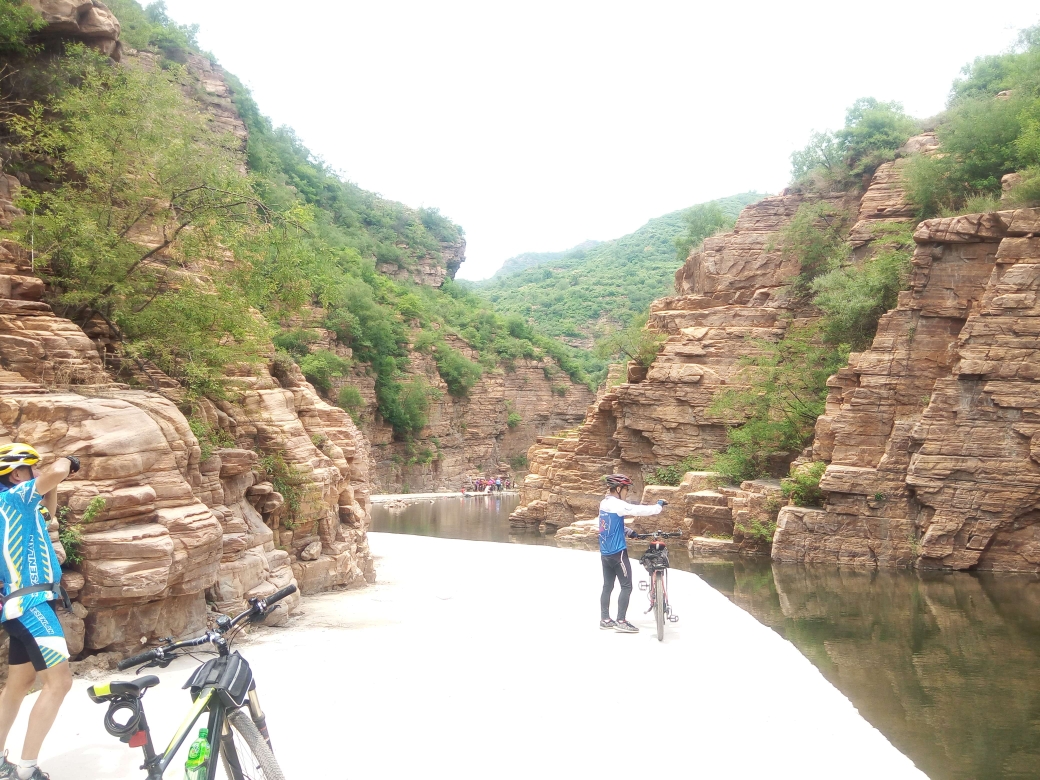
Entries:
{"x":287,"y":480}
{"x":70,"y":534}
{"x":815,"y":237}
{"x":873,"y":132}
{"x":802,"y":488}
{"x":322,"y":366}
{"x":513,"y":419}
{"x":459,"y":373}
{"x":18,"y":21}
{"x":518,"y":462}
{"x":854,"y":297}
{"x":296,"y":342}
{"x":95,"y":507}
{"x":702,"y":221}
{"x":673,"y":475}
{"x":784,"y":391}
{"x":758,"y":529}
{"x":634,"y":342}
{"x":209,"y":438}
{"x":350,"y":399}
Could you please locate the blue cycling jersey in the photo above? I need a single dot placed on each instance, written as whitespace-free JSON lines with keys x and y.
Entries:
{"x":27,"y":556}
{"x":612,"y":514}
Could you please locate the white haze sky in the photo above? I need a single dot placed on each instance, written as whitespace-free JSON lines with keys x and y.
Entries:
{"x":537,"y":125}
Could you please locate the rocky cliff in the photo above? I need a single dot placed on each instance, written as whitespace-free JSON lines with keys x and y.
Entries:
{"x":932,"y":434}
{"x":929,"y":436}
{"x":177,"y":530}
{"x":490,"y":429}
{"x":175,"y":519}
{"x":731,"y":292}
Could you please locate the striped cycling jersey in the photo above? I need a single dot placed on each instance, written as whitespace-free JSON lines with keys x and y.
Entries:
{"x":612,"y":511}
{"x":28,"y":556}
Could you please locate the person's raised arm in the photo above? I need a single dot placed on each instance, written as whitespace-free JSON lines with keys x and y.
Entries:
{"x":51,"y":475}
{"x":626,"y":509}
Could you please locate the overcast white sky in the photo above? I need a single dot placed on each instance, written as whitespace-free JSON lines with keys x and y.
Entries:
{"x":537,"y":125}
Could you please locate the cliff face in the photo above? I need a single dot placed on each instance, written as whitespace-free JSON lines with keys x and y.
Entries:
{"x":429,"y":270}
{"x":730,"y":292}
{"x":186,"y":526}
{"x":932,"y":435}
{"x":470,"y":436}
{"x":177,"y":531}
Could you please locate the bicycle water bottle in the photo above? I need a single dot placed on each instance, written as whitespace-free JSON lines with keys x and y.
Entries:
{"x":198,"y":754}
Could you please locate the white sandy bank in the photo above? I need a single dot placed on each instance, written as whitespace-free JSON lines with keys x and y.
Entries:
{"x":483,"y":660}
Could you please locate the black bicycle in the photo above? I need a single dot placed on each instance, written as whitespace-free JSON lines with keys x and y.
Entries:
{"x":223,"y":687}
{"x":655,"y":561}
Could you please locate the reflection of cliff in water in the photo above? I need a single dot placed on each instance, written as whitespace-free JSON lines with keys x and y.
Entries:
{"x":947,"y":667}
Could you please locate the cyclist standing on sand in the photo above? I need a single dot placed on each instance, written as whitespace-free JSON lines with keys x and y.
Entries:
{"x":613,"y":552}
{"x":28,"y":563}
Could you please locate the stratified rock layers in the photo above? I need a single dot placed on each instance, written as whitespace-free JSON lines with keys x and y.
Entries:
{"x":933,"y":435}
{"x":730,"y":294}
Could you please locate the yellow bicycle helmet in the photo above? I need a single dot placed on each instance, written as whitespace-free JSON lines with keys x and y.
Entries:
{"x":14,"y":455}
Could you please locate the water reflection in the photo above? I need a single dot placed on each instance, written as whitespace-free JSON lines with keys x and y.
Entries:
{"x":947,"y":667}
{"x":481,"y":518}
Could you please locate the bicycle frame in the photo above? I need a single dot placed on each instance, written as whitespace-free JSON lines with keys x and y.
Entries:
{"x":221,"y":685}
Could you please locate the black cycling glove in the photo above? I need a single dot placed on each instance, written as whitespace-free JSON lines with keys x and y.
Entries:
{"x":73,"y":463}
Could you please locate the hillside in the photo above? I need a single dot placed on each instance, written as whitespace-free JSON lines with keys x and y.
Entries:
{"x":576,"y":295}
{"x":177,"y":226}
{"x":526,"y":260}
{"x":868,"y":338}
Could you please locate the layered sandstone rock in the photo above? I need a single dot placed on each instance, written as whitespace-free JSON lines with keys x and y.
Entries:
{"x":730,"y":294}
{"x":469,"y":436}
{"x":89,"y":21}
{"x":931,"y":433}
{"x":430,"y":270}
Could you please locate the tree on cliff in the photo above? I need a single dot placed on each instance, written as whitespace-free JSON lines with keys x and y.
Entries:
{"x":141,"y":193}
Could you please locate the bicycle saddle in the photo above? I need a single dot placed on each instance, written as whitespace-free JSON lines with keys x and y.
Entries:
{"x":122,"y":688}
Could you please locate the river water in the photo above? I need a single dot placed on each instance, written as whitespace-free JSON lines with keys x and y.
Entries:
{"x":946,"y":666}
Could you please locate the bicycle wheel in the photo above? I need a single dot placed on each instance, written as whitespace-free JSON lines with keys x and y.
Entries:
{"x":245,"y":754}
{"x":659,"y":603}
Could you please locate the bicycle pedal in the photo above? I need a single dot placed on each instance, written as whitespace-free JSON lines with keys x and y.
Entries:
{"x":644,"y":585}
{"x":673,"y":618}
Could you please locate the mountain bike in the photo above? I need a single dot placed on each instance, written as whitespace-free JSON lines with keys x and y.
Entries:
{"x":222,"y":687}
{"x":655,"y":561}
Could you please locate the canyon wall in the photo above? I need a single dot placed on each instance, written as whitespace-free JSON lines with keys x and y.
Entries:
{"x":178,"y":533}
{"x":933,"y":435}
{"x":730,"y":294}
{"x":183,"y":527}
{"x":488,"y":431}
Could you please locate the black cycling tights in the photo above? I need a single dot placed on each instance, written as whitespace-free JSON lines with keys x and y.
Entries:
{"x":616,"y":565}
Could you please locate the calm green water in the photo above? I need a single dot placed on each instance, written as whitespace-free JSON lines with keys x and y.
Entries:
{"x":946,"y":666}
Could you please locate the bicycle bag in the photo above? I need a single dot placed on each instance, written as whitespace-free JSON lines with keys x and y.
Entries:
{"x":230,"y":675}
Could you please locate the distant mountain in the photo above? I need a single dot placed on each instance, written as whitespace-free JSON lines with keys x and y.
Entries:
{"x":575,"y":294}
{"x":530,"y":259}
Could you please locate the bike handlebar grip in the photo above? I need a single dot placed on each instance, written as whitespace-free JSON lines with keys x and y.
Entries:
{"x":277,"y":596}
{"x":136,"y":660}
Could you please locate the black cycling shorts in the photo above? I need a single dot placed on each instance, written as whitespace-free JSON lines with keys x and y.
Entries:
{"x":36,"y":638}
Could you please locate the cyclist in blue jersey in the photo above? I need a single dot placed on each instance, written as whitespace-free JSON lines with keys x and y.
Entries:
{"x":31,"y":575}
{"x":613,"y":510}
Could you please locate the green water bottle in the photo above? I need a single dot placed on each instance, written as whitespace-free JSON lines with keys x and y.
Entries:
{"x":198,"y":754}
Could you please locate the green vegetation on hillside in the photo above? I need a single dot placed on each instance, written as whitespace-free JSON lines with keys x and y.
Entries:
{"x":785,"y":384}
{"x":587,"y":292}
{"x":991,"y":128}
{"x":873,"y":131}
{"x":18,"y":21}
{"x":140,"y":217}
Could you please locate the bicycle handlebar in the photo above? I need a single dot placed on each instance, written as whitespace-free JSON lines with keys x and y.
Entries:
{"x":258,"y":607}
{"x":660,"y":535}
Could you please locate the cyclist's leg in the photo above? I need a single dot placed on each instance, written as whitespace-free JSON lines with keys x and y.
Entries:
{"x":609,"y":572}
{"x":20,"y":679}
{"x":40,"y":632}
{"x":624,"y":575}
